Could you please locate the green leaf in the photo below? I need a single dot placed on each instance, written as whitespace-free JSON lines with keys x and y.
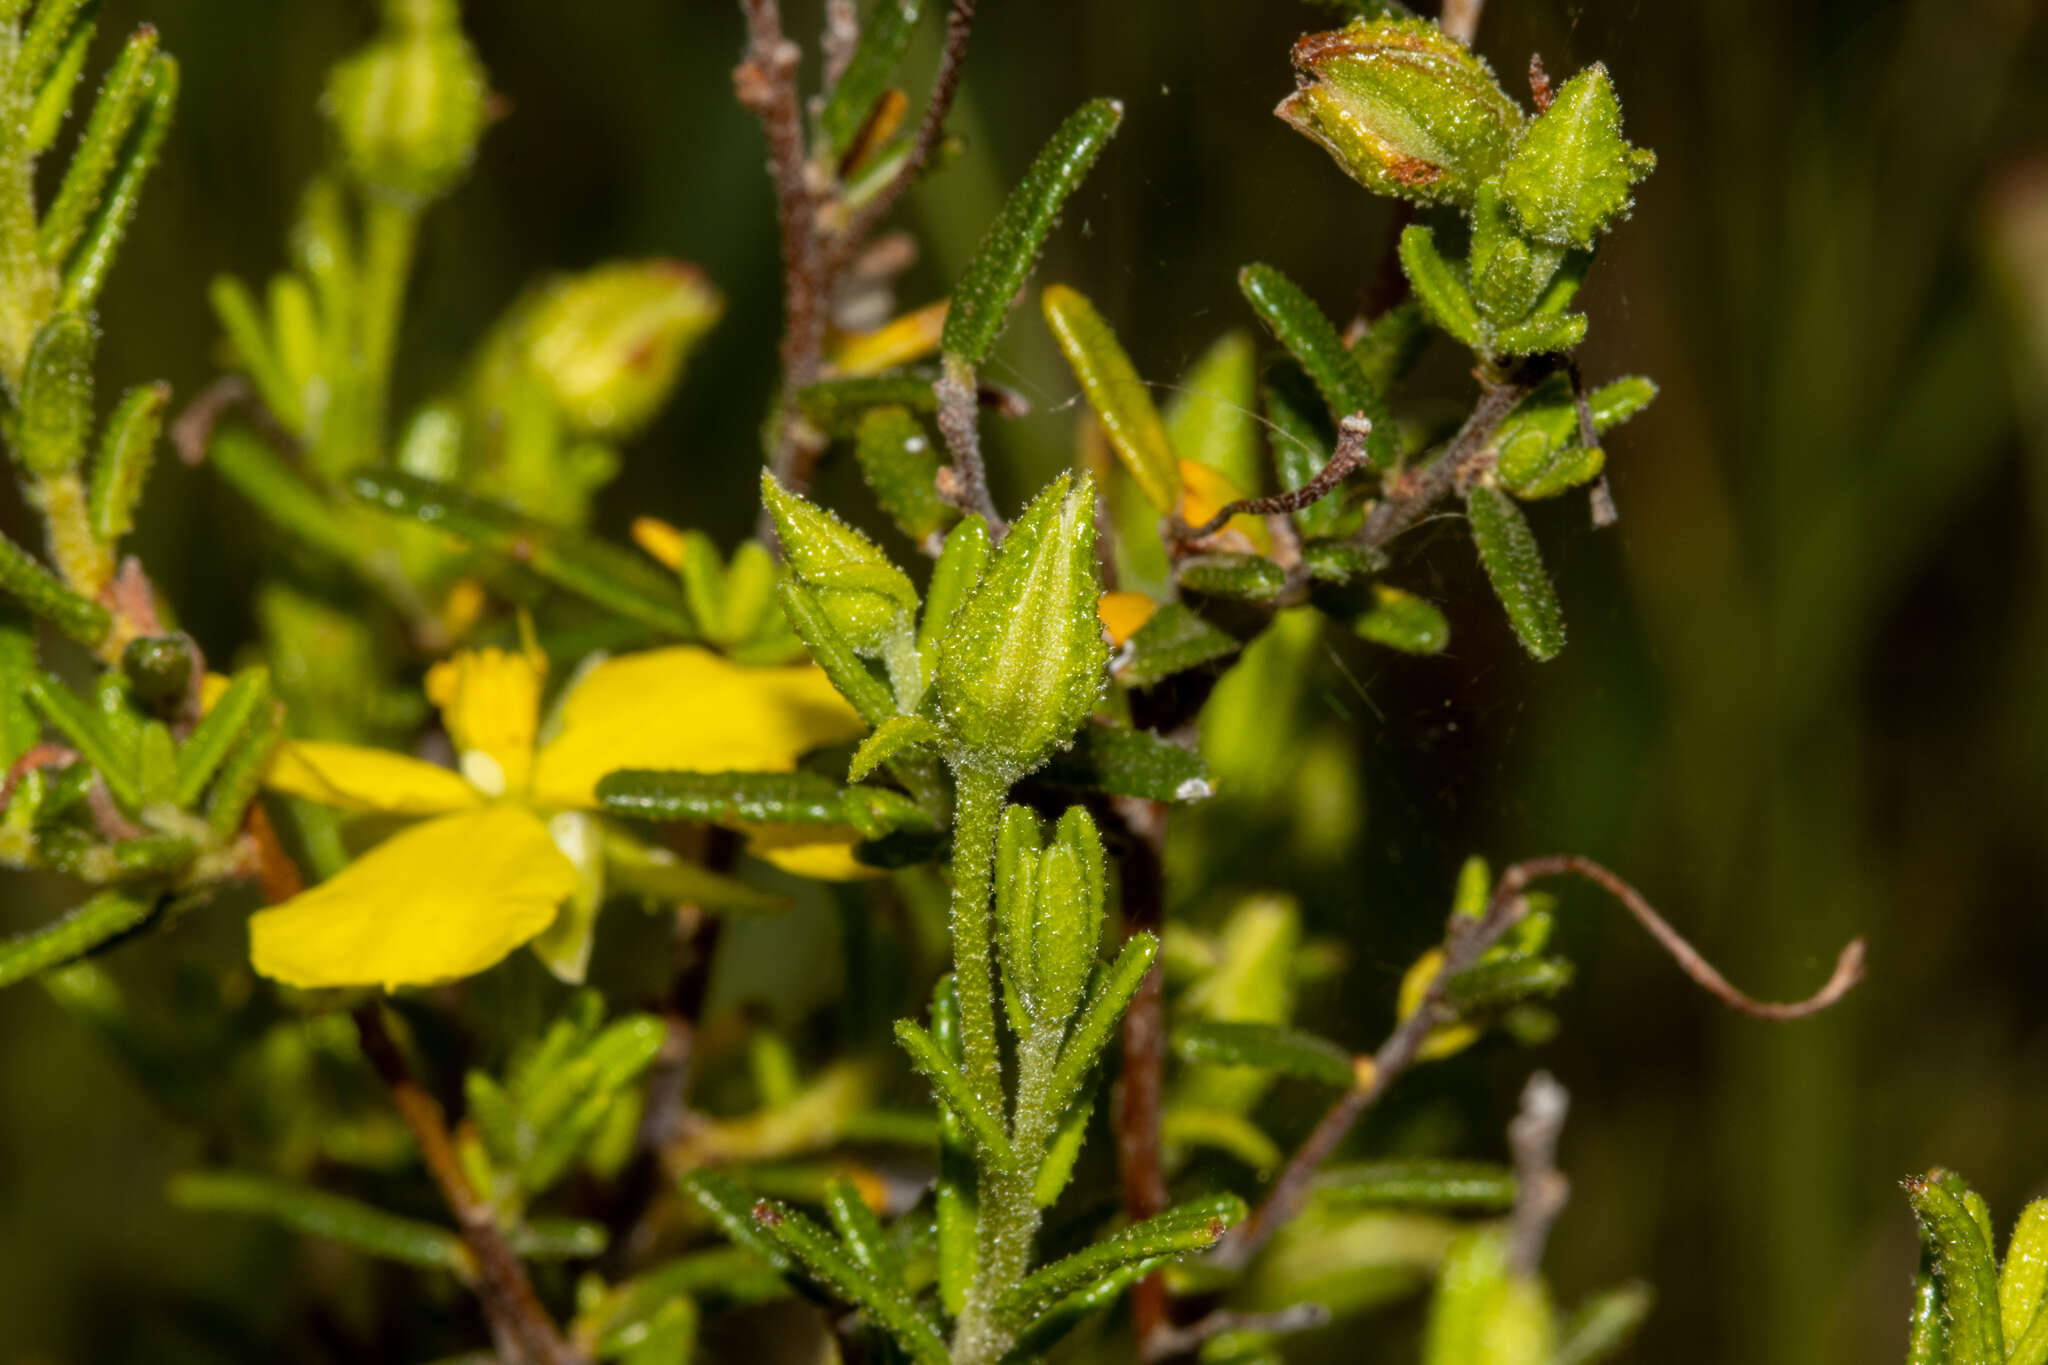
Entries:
{"x":255,"y":471}
{"x":1044,"y":1331}
{"x":1510,"y":273}
{"x":559,"y":1239}
{"x":2023,"y":1278}
{"x":90,"y":733}
{"x":662,"y":879}
{"x":868,"y":694}
{"x":127,"y":450}
{"x":222,"y":727}
{"x":1404,"y":108}
{"x":956,"y":574}
{"x":53,"y":101}
{"x":827,"y":1262}
{"x":1063,"y":1151}
{"x":1498,"y":982}
{"x":52,"y":28}
{"x":1249,"y":577}
{"x":106,"y":916}
{"x":956,"y":1193}
{"x":86,"y":268}
{"x":1302,"y":440}
{"x":901,"y":465}
{"x":1536,"y":447}
{"x":838,"y":406}
{"x":951,"y":1086}
{"x":99,"y":146}
{"x":1963,"y":1265}
{"x":1454,"y":1186}
{"x":1441,"y":289}
{"x":1121,"y":761}
{"x":1927,"y":1327}
{"x":316,"y":1213}
{"x":1265,"y":1047}
{"x":1173,"y":641}
{"x":1484,"y":1313}
{"x":862,"y":1231}
{"x":722,"y":798}
{"x":1400,"y":620}
{"x":241,"y":772}
{"x":732,"y":1208}
{"x":1008,"y":251}
{"x":37,"y":589}
{"x":54,"y":421}
{"x":255,"y":352}
{"x":1507,"y":549}
{"x":1210,"y":420}
{"x":895,"y":736}
{"x":1391,"y":345}
{"x":1186,"y":1228}
{"x":1603,"y":1325}
{"x":1098,"y":1019}
{"x":1312,"y":339}
{"x":615,"y":579}
{"x":885,"y":34}
{"x":1021,"y":664}
{"x":19,"y":726}
{"x":1541,"y":335}
{"x":1121,"y":400}
{"x":1572,"y":176}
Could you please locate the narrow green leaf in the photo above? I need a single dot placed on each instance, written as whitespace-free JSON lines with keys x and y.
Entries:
{"x":1194,"y":1226}
{"x":255,"y":471}
{"x":1265,"y":1047}
{"x":659,"y":877}
{"x":241,"y":772}
{"x":950,"y":1084}
{"x":1509,"y":273}
{"x":255,"y":350}
{"x":219,"y":731}
{"x":559,"y":1239}
{"x":1499,"y":982}
{"x":1391,"y":345}
{"x":53,"y":101}
{"x":1963,"y":1264}
{"x":19,"y":725}
{"x":1507,"y":549}
{"x":1210,"y":418}
{"x":85,"y":271}
{"x":869,"y":695}
{"x":732,"y":1208}
{"x":1121,"y":761}
{"x":151,"y":857}
{"x":99,"y":146}
{"x":1441,"y":288}
{"x":1098,"y":1018}
{"x":722,"y":798}
{"x":827,"y":1262}
{"x":1541,"y":335}
{"x":1253,"y":578}
{"x":88,"y":732}
{"x":956,"y":1194}
{"x":1063,"y":1151}
{"x":1401,"y":620}
{"x":885,"y":34}
{"x":1339,"y":561}
{"x":317,"y":1213}
{"x":838,"y":406}
{"x":956,"y":574}
{"x":1043,"y":1332}
{"x":106,"y":916}
{"x":613,"y":578}
{"x":901,"y":465}
{"x":1454,"y":1186}
{"x":1173,"y":641}
{"x":1122,"y":401}
{"x":1312,"y":339}
{"x":42,"y":45}
{"x":2023,"y":1278}
{"x":37,"y":589}
{"x":863,"y":1232}
{"x":54,"y":420}
{"x":1573,"y":175}
{"x":127,"y":450}
{"x":1927,"y":1326}
{"x":892,"y":738}
{"x":1008,"y":251}
{"x":1603,"y":1325}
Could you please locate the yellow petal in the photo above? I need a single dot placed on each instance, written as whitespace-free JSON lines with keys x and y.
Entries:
{"x":662,"y":542}
{"x":1208,"y":491}
{"x":824,"y":853}
{"x":1122,"y":613}
{"x":490,"y":699}
{"x":911,"y":337}
{"x":688,"y":709}
{"x":351,"y":777}
{"x":441,"y":900}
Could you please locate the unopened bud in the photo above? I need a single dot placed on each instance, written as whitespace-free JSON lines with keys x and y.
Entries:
{"x":868,"y":599}
{"x":609,"y":344}
{"x":1404,"y":109}
{"x":412,"y":105}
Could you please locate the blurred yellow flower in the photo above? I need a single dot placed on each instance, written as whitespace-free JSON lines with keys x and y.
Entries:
{"x":506,"y":855}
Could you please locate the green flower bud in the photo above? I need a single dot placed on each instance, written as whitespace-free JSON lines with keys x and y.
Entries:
{"x":1021,"y":665}
{"x":412,"y":105}
{"x":608,"y":345}
{"x":1049,"y":902}
{"x":1404,"y":109}
{"x":867,"y":598}
{"x":158,"y":668}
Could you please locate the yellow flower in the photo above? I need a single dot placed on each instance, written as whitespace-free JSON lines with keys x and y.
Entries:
{"x":506,"y":855}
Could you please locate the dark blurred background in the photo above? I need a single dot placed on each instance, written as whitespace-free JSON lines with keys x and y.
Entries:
{"x":1804,"y":694}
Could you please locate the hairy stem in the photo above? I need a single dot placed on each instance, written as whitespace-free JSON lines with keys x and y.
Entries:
{"x":391,"y":231}
{"x":1009,"y":1213}
{"x":1136,"y":1115}
{"x":978,"y":804}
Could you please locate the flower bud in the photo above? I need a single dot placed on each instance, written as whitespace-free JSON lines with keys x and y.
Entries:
{"x":867,"y":598}
{"x":1049,"y":903}
{"x":1021,"y":665}
{"x":411,"y":106}
{"x":608,"y":345}
{"x":1404,"y":109}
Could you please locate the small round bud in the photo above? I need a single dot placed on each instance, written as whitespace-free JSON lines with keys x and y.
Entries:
{"x":158,"y":668}
{"x":412,"y":105}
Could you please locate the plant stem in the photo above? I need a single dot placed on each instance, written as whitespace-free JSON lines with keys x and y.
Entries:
{"x":1009,"y":1213}
{"x":391,"y":230}
{"x":978,"y":802}
{"x":27,"y":284}
{"x":1136,"y":1114}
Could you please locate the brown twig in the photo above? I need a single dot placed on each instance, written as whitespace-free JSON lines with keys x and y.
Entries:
{"x":1181,"y":1341}
{"x":965,"y":482}
{"x":1411,"y":493}
{"x":1141,"y":1083}
{"x":841,"y":38}
{"x":520,"y":1327}
{"x":1540,"y":1188}
{"x":1460,"y":19}
{"x":1465,"y":941}
{"x":1349,"y":456}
